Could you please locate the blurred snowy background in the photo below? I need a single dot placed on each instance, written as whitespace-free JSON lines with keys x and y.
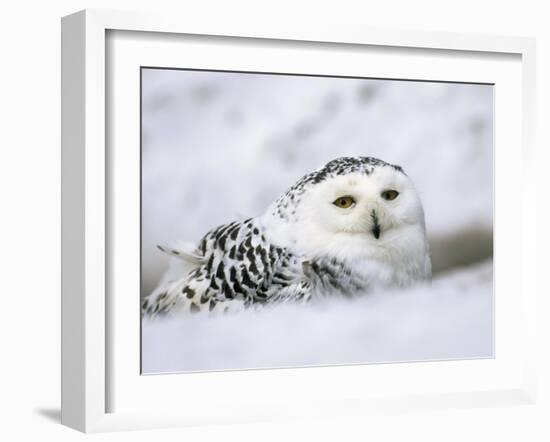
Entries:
{"x":221,"y":146}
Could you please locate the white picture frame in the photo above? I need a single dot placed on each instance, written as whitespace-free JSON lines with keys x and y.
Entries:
{"x":86,"y":201}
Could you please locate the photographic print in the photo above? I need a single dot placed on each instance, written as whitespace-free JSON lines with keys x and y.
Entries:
{"x":304,"y":220}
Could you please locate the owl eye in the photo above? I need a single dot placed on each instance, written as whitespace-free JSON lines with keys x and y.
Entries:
{"x":344,"y":202}
{"x":390,"y":195}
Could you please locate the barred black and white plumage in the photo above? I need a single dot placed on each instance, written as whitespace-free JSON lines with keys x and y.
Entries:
{"x":305,"y":245}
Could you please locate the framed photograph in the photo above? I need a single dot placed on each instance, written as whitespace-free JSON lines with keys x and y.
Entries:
{"x":264,"y":223}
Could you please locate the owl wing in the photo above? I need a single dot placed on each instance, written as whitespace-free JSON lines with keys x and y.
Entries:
{"x":329,"y":277}
{"x":232,"y":267}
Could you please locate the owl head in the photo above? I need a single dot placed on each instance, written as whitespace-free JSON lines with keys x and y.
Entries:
{"x":353,"y":206}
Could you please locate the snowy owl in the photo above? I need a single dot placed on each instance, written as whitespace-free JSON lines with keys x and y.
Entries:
{"x":347,"y":228}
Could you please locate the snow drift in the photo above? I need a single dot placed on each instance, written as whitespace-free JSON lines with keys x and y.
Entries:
{"x":451,"y":319}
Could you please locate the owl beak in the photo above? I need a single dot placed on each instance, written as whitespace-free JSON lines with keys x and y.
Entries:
{"x":376,"y":225}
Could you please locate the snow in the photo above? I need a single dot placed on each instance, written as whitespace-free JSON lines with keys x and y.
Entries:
{"x":221,"y":146}
{"x":452,"y":319}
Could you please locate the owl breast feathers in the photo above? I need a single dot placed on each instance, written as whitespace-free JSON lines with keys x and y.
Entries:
{"x":334,"y":232}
